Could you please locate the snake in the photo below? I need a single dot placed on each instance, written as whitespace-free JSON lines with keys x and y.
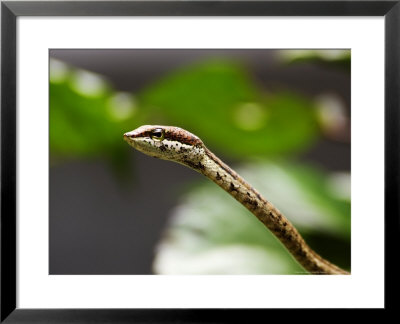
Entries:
{"x":179,"y":145}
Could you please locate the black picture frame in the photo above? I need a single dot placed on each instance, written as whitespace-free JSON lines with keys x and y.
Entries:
{"x":10,"y":10}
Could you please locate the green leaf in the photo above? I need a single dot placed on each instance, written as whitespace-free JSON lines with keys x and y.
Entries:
{"x":88,"y":118}
{"x":220,"y":102}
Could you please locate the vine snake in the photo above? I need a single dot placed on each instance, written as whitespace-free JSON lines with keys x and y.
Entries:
{"x":178,"y":145}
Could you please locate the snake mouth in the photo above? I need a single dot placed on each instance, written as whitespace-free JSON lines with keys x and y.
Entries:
{"x":128,"y":138}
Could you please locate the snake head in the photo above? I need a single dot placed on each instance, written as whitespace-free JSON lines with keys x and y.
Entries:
{"x":167,"y":143}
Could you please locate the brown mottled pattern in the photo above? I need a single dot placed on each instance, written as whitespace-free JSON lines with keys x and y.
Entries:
{"x":170,"y":132}
{"x":180,"y":135}
{"x":204,"y":161}
{"x":270,"y":216}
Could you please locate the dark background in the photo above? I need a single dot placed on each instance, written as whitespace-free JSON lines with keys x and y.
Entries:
{"x":100,"y":227}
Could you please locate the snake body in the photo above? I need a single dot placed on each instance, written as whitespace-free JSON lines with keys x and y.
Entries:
{"x":178,"y":145}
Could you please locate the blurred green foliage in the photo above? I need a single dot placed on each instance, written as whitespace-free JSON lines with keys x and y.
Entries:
{"x":220,"y":102}
{"x":332,"y":58}
{"x":84,"y":122}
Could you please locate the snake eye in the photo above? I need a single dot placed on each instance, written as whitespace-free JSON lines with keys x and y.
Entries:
{"x":157,"y":134}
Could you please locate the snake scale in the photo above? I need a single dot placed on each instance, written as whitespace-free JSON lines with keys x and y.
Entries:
{"x":178,"y":145}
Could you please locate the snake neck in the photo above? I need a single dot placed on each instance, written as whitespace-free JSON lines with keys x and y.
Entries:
{"x":213,"y":168}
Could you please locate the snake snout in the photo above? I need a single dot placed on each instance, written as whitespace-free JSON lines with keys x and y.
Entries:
{"x":130,"y":134}
{"x":128,"y":137}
